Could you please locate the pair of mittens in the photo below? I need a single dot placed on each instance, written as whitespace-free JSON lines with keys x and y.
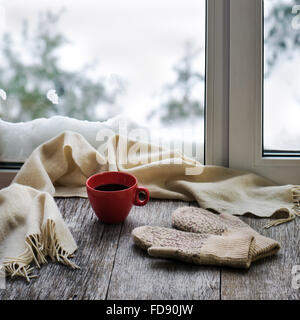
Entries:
{"x":205,"y":238}
{"x":192,"y":219}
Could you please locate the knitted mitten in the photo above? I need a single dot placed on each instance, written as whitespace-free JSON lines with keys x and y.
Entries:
{"x":233,"y":249}
{"x":199,"y":220}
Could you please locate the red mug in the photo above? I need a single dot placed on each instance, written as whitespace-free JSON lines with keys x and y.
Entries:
{"x":114,"y":206}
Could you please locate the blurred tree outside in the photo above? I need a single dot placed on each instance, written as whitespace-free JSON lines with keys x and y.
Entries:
{"x":178,"y":98}
{"x":281,"y":39}
{"x":27,"y":73}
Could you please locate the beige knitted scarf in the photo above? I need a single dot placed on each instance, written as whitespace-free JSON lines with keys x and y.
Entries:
{"x":31,"y":226}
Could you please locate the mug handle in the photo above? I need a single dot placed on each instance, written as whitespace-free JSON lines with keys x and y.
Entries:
{"x":137,"y":200}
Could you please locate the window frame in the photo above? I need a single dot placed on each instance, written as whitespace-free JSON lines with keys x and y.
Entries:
{"x":246,"y":97}
{"x":217,"y":83}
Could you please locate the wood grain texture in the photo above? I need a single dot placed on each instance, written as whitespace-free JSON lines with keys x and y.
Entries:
{"x":97,"y":244}
{"x":138,"y":276}
{"x":269,"y":278}
{"x":112,"y":267}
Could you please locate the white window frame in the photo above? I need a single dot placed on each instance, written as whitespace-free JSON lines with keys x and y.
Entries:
{"x":245,"y":97}
{"x":217,"y":83}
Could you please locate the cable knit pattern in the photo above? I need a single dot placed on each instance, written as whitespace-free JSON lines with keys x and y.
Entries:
{"x":187,"y":242}
{"x":189,"y":219}
{"x":198,"y":220}
{"x":205,"y":238}
{"x":233,"y":249}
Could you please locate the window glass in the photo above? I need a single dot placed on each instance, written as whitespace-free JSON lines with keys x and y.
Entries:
{"x":281,"y":76}
{"x":92,"y":60}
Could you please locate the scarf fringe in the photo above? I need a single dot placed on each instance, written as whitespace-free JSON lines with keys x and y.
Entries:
{"x":39,"y":246}
{"x":292,"y":214}
{"x":53,"y":247}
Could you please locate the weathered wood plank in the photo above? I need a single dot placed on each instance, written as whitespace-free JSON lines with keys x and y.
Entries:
{"x":113,"y":268}
{"x":270,"y":278}
{"x":97,"y":246}
{"x":138,"y":276}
